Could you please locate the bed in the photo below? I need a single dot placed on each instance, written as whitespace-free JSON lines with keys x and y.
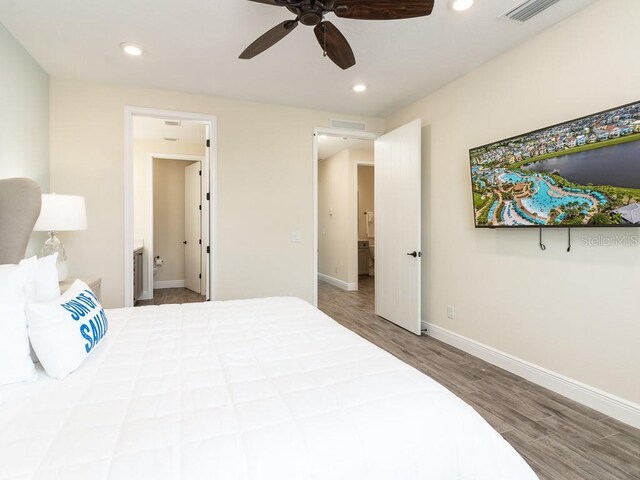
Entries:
{"x":252,"y":389}
{"x":264,"y":389}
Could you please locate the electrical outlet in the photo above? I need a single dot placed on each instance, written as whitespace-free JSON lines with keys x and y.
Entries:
{"x":451,"y":312}
{"x":296,"y":237}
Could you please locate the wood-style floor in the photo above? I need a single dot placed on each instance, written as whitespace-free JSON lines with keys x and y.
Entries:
{"x":560,"y":439}
{"x":172,"y":295}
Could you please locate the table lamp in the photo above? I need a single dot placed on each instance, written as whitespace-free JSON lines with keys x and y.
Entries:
{"x":60,"y":213}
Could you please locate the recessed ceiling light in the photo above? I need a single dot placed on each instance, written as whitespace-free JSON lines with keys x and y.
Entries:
{"x":131,"y":49}
{"x":461,"y":5}
{"x":360,"y":87}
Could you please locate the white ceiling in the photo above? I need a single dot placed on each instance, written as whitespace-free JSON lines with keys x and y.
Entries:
{"x":329,"y":146}
{"x":145,"y":128}
{"x":193,"y":46}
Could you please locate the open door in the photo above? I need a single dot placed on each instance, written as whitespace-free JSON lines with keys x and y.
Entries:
{"x":398,"y":158}
{"x":192,"y":228}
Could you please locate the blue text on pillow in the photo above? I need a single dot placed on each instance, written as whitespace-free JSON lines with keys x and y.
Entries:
{"x":94,"y":330}
{"x":81,"y":305}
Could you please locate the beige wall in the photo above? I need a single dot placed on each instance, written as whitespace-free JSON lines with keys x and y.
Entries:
{"x":366,"y":198}
{"x":335,"y":216}
{"x":142,"y":150}
{"x":24,"y":119}
{"x":264,"y":184}
{"x":168,"y":217}
{"x":573,"y":313}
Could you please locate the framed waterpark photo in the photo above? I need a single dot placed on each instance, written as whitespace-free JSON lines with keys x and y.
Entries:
{"x":580,"y":173}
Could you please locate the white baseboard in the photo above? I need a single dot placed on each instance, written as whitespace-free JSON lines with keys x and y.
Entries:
{"x":611,"y":405}
{"x":168,"y":284}
{"x":350,"y":287}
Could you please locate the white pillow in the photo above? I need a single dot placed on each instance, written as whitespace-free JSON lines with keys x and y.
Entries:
{"x":42,"y":278}
{"x":65,"y":331}
{"x":42,"y":282}
{"x":15,"y":363}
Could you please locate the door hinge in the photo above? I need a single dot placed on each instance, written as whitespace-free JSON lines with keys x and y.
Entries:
{"x":199,"y":275}
{"x":200,"y":173}
{"x":199,"y":207}
{"x":208,"y":142}
{"x":208,"y":249}
{"x":208,"y":196}
{"x":200,"y":242}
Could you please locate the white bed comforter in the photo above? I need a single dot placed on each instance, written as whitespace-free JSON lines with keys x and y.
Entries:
{"x":254,"y":389}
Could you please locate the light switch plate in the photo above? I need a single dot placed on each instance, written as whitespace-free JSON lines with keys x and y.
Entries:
{"x":451,"y":312}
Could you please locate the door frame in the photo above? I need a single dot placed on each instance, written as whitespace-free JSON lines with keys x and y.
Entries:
{"x":333,"y":132}
{"x":211,"y":163}
{"x":149,"y":255}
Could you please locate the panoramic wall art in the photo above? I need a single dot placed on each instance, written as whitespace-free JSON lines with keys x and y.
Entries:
{"x":585,"y":172}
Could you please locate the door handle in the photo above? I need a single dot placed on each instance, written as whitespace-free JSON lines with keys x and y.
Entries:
{"x":415,"y":254}
{"x":185,"y":242}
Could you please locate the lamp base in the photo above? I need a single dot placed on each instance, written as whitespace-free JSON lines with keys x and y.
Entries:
{"x":54,"y":245}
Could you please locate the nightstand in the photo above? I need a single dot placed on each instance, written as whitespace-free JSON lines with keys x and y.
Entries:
{"x":95,"y":284}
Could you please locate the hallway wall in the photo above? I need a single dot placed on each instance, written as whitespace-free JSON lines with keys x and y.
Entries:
{"x":335,"y":217}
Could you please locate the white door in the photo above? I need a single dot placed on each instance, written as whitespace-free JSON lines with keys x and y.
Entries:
{"x":398,"y":158}
{"x":192,"y":227}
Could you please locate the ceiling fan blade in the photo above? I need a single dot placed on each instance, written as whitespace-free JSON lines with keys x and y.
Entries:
{"x":269,"y":39}
{"x":382,"y":9}
{"x":277,"y":3}
{"x":335,"y":45}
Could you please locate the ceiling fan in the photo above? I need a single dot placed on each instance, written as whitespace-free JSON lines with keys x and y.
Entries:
{"x":311,"y":13}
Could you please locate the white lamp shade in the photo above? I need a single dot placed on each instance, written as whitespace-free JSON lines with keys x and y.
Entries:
{"x":61,"y":213}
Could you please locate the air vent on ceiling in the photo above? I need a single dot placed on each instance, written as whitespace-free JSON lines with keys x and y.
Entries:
{"x":349,"y":125}
{"x":172,"y":123}
{"x":170,"y":139}
{"x":528,"y":9}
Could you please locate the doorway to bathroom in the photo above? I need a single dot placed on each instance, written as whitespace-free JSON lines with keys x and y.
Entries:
{"x":171,"y":210}
{"x":176,"y":272}
{"x":346,"y":218}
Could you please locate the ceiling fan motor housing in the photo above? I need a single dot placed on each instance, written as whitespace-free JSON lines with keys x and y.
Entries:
{"x":310,"y":12}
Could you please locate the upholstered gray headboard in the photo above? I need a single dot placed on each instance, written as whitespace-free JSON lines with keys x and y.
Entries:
{"x":20,"y":202}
